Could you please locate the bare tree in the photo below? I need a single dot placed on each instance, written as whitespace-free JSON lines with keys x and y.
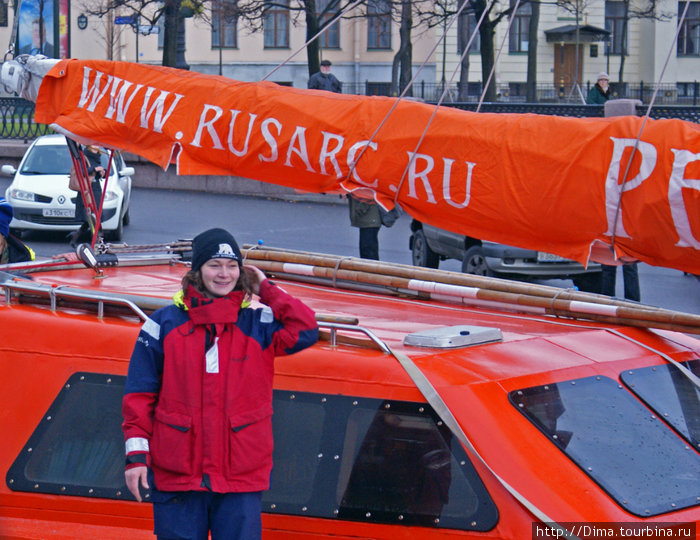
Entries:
{"x":402,"y":66}
{"x":533,"y":26}
{"x":637,"y":9}
{"x":576,"y":8}
{"x":172,"y":13}
{"x":493,"y":13}
{"x":107,"y":32}
{"x":319,"y":15}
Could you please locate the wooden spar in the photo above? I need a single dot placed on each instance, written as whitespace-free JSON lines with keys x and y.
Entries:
{"x":438,"y":276}
{"x":548,"y":300}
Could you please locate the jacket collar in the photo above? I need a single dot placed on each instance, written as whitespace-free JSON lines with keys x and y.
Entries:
{"x":204,"y":310}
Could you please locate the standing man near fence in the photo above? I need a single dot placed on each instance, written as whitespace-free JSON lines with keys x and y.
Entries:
{"x":325,"y":80}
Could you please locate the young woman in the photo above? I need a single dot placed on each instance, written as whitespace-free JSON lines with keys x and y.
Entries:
{"x":198,"y":400}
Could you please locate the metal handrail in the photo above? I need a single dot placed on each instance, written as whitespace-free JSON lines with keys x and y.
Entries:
{"x":56,"y":293}
{"x":334,"y":327}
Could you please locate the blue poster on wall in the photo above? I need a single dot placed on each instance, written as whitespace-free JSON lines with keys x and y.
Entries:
{"x":35,"y":32}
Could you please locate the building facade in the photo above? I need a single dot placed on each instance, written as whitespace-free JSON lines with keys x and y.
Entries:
{"x":576,"y":39}
{"x":652,"y":54}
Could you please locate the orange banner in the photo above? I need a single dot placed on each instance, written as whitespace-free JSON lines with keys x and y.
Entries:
{"x":542,"y":182}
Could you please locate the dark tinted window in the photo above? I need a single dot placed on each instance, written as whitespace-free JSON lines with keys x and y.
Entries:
{"x":372,"y":460}
{"x":617,"y":441}
{"x":336,"y":457}
{"x":78,"y":448}
{"x":672,"y":395}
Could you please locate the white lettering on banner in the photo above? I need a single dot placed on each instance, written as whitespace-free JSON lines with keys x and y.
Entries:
{"x":327,"y":154}
{"x":92,"y":93}
{"x":299,"y":135}
{"x":446,"y":181}
{"x":116,"y":103}
{"x":269,"y":139}
{"x":675,"y":197}
{"x":613,"y":189}
{"x":354,"y":149}
{"x":300,"y":145}
{"x":157,"y":107}
{"x":209,"y":125}
{"x":413,"y":174}
{"x":231,"y":147}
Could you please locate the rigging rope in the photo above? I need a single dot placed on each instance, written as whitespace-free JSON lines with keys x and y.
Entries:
{"x":348,"y":7}
{"x":405,"y":90}
{"x":495,"y":62}
{"x":444,"y":93}
{"x":641,"y":129}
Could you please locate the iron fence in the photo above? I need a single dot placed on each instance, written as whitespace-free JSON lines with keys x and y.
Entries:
{"x":667,"y":94}
{"x":17,"y":116}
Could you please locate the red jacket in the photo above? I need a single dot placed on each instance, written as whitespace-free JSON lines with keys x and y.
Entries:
{"x":198,"y":398}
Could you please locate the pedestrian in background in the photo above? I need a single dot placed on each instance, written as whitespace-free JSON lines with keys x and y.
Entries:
{"x":365,"y":216}
{"x":600,"y":91}
{"x":325,"y":80}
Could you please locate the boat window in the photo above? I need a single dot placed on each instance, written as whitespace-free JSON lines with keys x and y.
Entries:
{"x":335,"y":457}
{"x":645,"y":467}
{"x":372,"y":460}
{"x":671,"y":395}
{"x":78,"y":447}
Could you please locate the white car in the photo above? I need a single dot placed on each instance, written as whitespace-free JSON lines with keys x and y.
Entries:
{"x":42,"y":201}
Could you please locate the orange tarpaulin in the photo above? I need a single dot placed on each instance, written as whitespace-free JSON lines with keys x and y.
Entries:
{"x":542,"y":182}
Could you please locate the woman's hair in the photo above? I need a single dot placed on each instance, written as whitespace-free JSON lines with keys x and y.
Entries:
{"x":194,"y":278}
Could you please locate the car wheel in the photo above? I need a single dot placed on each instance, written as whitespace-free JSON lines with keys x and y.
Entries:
{"x":474,"y":262}
{"x":591,"y":282}
{"x":116,"y":234}
{"x":127,"y":217}
{"x":422,"y":254}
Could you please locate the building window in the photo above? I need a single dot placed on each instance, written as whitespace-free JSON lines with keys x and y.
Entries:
{"x":327,"y":10}
{"x":687,"y":89}
{"x":3,"y":13}
{"x":689,"y":35}
{"x":614,"y":23}
{"x":469,"y":21}
{"x":379,"y":24}
{"x":276,"y":24}
{"x":518,"y":40}
{"x":223,"y":24}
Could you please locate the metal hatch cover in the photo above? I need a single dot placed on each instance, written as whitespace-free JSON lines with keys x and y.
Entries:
{"x":449,"y":337}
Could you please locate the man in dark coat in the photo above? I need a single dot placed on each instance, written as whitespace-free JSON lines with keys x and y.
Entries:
{"x":325,"y":80}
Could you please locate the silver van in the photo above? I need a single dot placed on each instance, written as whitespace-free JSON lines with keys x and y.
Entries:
{"x":429,"y":245}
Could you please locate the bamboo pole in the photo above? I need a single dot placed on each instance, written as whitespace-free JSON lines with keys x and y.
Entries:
{"x":439,"y":276}
{"x":548,"y":300}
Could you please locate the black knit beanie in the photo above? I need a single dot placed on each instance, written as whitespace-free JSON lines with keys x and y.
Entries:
{"x":214,"y":244}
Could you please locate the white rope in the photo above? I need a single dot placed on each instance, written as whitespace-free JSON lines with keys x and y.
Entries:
{"x":348,"y":7}
{"x":641,"y":128}
{"x":498,"y":55}
{"x":403,"y":93}
{"x":442,"y":96}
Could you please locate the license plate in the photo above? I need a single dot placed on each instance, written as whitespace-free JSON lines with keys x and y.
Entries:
{"x":549,"y":257}
{"x":58,"y":212}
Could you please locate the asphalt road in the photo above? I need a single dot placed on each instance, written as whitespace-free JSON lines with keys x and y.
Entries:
{"x":162,"y":216}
